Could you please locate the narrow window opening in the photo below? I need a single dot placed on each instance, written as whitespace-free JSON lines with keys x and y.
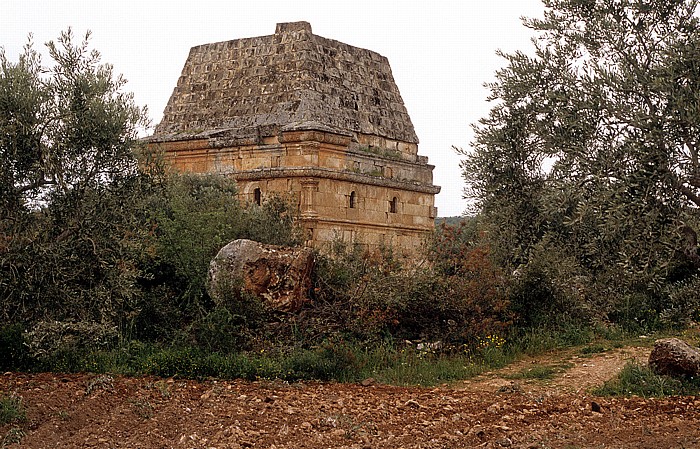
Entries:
{"x":393,"y":205}
{"x":257,"y":196}
{"x":353,"y":198}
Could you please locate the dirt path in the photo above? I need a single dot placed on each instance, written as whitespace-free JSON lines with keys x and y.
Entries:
{"x":574,"y":372}
{"x":89,"y":411}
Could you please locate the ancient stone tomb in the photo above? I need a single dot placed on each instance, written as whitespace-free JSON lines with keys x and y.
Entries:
{"x":314,"y":119}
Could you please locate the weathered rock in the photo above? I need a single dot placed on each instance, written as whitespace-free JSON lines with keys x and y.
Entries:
{"x":280,"y":276}
{"x":674,"y":357}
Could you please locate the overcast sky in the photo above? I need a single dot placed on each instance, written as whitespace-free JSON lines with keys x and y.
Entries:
{"x":441,"y":52}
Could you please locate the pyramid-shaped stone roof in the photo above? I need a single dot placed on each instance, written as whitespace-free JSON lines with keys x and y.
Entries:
{"x":290,"y":80}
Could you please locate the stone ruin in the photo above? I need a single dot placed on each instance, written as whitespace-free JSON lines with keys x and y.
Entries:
{"x":311,"y":118}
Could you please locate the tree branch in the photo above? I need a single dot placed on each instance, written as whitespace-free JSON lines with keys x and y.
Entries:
{"x":36,"y":184}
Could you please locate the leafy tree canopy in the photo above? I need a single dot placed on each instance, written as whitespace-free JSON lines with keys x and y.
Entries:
{"x":64,"y":128}
{"x":70,"y":226}
{"x":592,"y":144}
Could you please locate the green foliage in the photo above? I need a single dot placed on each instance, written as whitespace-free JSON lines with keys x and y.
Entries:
{"x":336,"y":360}
{"x":682,"y":306}
{"x":48,"y":338}
{"x":192,"y":220}
{"x":273,"y":223}
{"x":70,"y":228}
{"x":13,"y":351}
{"x":223,"y":330}
{"x":585,"y":171}
{"x":370,"y":296}
{"x":11,"y":409}
{"x":196,"y":216}
{"x":333,"y":360}
{"x":412,"y":369}
{"x":538,"y":340}
{"x":637,"y":379}
{"x":551,"y":289}
{"x":595,"y":348}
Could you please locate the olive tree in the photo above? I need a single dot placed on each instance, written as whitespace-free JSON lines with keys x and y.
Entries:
{"x":70,"y":184}
{"x":590,"y":153}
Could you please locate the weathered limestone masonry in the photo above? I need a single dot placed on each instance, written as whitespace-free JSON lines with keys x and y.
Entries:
{"x":298,"y":114}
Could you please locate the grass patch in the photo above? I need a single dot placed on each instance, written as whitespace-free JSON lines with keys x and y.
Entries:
{"x":595,"y":348}
{"x":332,"y":361}
{"x":11,"y":410}
{"x":637,"y":379}
{"x":535,"y":341}
{"x":411,"y":368}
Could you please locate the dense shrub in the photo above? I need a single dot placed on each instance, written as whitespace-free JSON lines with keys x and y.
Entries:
{"x":371,"y":295}
{"x":230,"y":329}
{"x":682,"y":306}
{"x":48,"y":338}
{"x":13,"y":351}
{"x":550,"y":290}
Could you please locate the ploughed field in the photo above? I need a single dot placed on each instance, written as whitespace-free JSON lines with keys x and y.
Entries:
{"x":497,"y":409}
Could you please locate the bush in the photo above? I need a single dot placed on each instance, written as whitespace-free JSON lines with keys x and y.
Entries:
{"x":550,"y":289}
{"x":682,"y":306}
{"x":223,"y":331}
{"x":374,"y":297}
{"x":334,"y":360}
{"x":197,"y":215}
{"x":50,"y":338}
{"x":13,"y":351}
{"x":194,"y":218}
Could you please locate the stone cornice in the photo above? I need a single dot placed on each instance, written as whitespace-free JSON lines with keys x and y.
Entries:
{"x":315,"y":172}
{"x":368,"y":225}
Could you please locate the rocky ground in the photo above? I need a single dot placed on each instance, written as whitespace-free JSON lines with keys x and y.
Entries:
{"x":496,"y":410}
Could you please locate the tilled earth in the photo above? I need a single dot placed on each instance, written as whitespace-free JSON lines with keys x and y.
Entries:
{"x":491,"y":411}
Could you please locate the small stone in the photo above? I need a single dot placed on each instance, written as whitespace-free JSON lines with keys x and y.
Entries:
{"x":504,"y":442}
{"x":367,"y":382}
{"x":476,"y":430}
{"x":595,"y":407}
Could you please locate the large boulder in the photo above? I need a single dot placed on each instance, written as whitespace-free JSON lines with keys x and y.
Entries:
{"x":675,"y":357}
{"x":279,"y":276}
